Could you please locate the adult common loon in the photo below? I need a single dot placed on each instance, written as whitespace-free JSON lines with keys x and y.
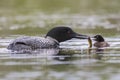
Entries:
{"x":51,"y":40}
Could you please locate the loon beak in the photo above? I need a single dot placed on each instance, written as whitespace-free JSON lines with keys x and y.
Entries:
{"x":80,"y":36}
{"x":93,"y":37}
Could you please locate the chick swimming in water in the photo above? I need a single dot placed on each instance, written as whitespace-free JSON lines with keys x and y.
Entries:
{"x":100,"y":42}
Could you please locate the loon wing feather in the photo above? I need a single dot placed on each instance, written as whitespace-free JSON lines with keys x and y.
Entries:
{"x":31,"y":43}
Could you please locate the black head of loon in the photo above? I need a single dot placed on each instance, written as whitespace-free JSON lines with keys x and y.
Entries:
{"x":64,"y":33}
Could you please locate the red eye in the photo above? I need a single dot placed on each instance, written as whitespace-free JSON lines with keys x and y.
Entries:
{"x":68,"y":32}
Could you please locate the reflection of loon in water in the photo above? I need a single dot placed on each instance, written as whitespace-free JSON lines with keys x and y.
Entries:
{"x":51,"y":54}
{"x":51,"y":40}
{"x":100,"y":43}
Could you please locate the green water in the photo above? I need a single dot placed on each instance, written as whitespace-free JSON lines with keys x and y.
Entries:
{"x":37,"y":17}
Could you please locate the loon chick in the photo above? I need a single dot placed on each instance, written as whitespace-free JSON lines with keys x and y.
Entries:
{"x":51,"y":40}
{"x":100,"y":42}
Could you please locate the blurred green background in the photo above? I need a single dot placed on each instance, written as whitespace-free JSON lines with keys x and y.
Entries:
{"x":65,"y":6}
{"x":34,"y":17}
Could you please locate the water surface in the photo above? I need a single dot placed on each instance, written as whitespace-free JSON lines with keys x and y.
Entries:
{"x":73,"y":61}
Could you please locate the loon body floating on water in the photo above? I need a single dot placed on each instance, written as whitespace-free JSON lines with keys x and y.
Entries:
{"x":51,"y":40}
{"x":100,"y":42}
